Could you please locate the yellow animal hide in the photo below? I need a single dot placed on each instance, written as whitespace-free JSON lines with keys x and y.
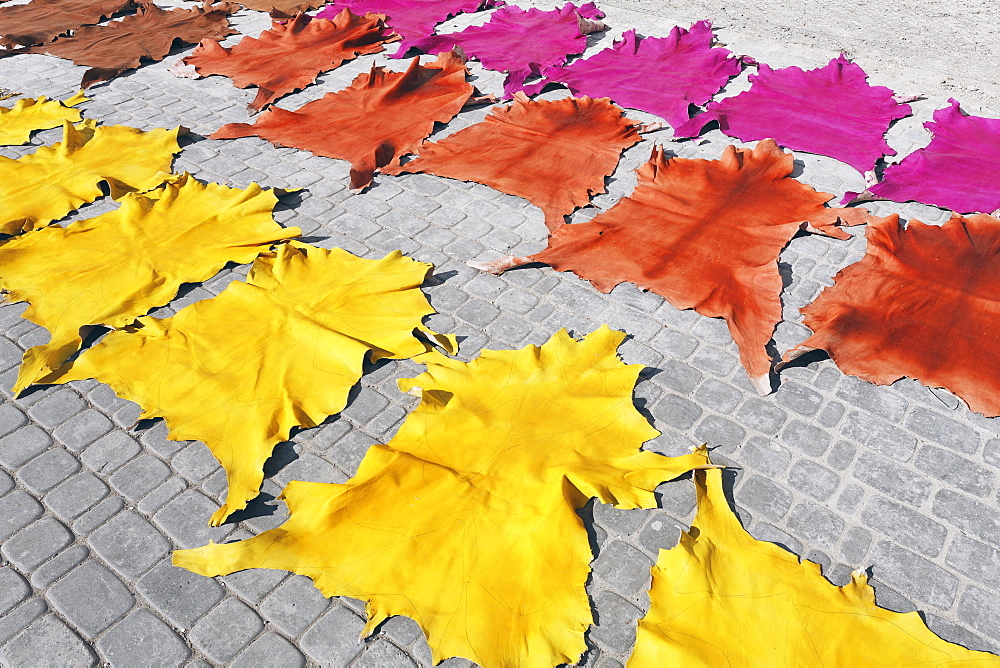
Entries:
{"x":723,"y":598}
{"x":54,"y":180}
{"x":113,"y":268}
{"x":466,"y":521}
{"x":28,"y":115}
{"x":281,"y":350}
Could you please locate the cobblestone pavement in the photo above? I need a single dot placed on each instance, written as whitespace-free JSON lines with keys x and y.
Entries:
{"x":901,"y":480}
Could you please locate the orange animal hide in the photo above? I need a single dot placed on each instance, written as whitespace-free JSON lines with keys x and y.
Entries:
{"x":555,"y":154}
{"x":380,"y":117}
{"x":41,"y":21}
{"x":704,"y":234}
{"x":922,"y":303}
{"x":290,"y":55}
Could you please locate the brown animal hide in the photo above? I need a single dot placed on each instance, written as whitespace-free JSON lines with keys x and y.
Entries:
{"x":704,"y":234}
{"x":108,"y":50}
{"x":555,"y":154}
{"x":282,"y":9}
{"x":41,"y":21}
{"x":380,"y":117}
{"x":290,"y":55}
{"x":922,"y":303}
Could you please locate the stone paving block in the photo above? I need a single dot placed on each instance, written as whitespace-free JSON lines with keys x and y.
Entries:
{"x":913,"y":575}
{"x":815,"y":524}
{"x":813,"y":480}
{"x":970,"y":516}
{"x":761,"y":415}
{"x":911,"y":528}
{"x":10,"y":418}
{"x":139,"y":477}
{"x":294,"y":605}
{"x":764,"y":497}
{"x":892,"y":479}
{"x":142,"y":638}
{"x":17,"y":510}
{"x":179,"y":595}
{"x":943,"y":430}
{"x":871,"y":398}
{"x":108,"y":453}
{"x":195,"y":462}
{"x":35,"y":544}
{"x":675,"y":411}
{"x":56,"y":408}
{"x":270,"y":649}
{"x":623,"y":567}
{"x":333,"y":640}
{"x":382,"y":653}
{"x":980,"y":609}
{"x":82,"y":429}
{"x":59,"y":565}
{"x":48,"y":641}
{"x":6,"y":482}
{"x":772,"y":534}
{"x":225,"y":630}
{"x":129,"y":544}
{"x":97,"y":515}
{"x":75,"y":594}
{"x":47,"y":470}
{"x":805,"y":437}
{"x":13,"y":589}
{"x":20,"y":446}
{"x":954,"y":470}
{"x":615,"y":622}
{"x":975,"y":560}
{"x":185,"y":519}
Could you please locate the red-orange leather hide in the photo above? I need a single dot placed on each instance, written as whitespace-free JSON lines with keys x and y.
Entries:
{"x":108,"y":50}
{"x":40,"y":21}
{"x":290,"y":55}
{"x":706,"y":235}
{"x":555,"y":154}
{"x":380,"y":117}
{"x":923,"y":302}
{"x":282,"y":9}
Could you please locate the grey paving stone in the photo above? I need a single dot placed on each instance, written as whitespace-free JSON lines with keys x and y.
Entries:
{"x":36,"y":543}
{"x":617,"y":520}
{"x":855,"y":544}
{"x":13,"y":589}
{"x":943,"y":430}
{"x":913,"y":575}
{"x":623,"y":567}
{"x":185,"y":519}
{"x":772,"y":534}
{"x":879,"y":435}
{"x":717,"y":395}
{"x":813,"y":480}
{"x":139,"y":477}
{"x":798,"y":398}
{"x":195,"y":462}
{"x":871,"y":398}
{"x":402,"y":630}
{"x":333,"y":640}
{"x":108,"y":453}
{"x":74,"y":597}
{"x":815,"y":524}
{"x":760,"y":415}
{"x":980,"y":609}
{"x":806,"y":438}
{"x":764,"y":455}
{"x":270,"y":649}
{"x":76,"y":495}
{"x":97,"y":515}
{"x":160,"y":496}
{"x":971,"y":516}
{"x":82,"y":429}
{"x":715,"y":430}
{"x":59,"y":565}
{"x":383,"y":654}
{"x":18,"y":619}
{"x":975,"y":560}
{"x":954,"y":470}
{"x":129,"y":544}
{"x":294,"y":605}
{"x":225,"y":630}
{"x":911,"y":528}
{"x":254,"y":585}
{"x":615,"y":622}
{"x":892,"y":479}
{"x":841,"y":455}
{"x":10,"y":418}
{"x":21,"y":446}
{"x":675,"y":411}
{"x":47,"y":470}
{"x":764,"y":497}
{"x":48,"y":642}
{"x":56,"y":408}
{"x":179,"y":595}
{"x":142,"y":639}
